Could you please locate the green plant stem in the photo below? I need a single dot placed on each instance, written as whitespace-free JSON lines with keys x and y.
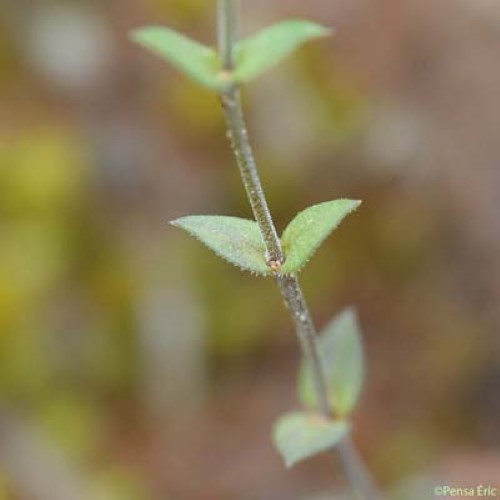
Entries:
{"x":306,"y":332}
{"x":362,"y":484}
{"x":359,"y":477}
{"x":226,"y":22}
{"x":238,"y":137}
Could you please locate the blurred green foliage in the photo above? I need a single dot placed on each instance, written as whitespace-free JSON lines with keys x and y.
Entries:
{"x":45,"y":190}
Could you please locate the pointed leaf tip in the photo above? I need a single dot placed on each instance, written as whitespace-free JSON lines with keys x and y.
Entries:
{"x":298,"y":435}
{"x":310,"y":228}
{"x":236,"y":240}
{"x":340,"y":348}
{"x":267,"y":48}
{"x":195,"y":60}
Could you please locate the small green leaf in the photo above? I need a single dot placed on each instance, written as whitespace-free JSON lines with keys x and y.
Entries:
{"x":236,"y":240}
{"x":309,"y":229}
{"x":197,"y":61}
{"x":262,"y":51}
{"x":341,"y":354}
{"x":299,"y":435}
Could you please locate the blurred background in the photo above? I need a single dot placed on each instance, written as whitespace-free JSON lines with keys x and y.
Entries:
{"x":134,"y":364}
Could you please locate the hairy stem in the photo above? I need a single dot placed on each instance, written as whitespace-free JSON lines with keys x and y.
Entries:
{"x":362,"y":484}
{"x":238,"y":136}
{"x":306,"y":333}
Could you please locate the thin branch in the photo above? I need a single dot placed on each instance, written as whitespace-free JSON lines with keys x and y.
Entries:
{"x":306,"y":332}
{"x":238,"y":136}
{"x":359,"y":476}
{"x":227,"y":15}
{"x":360,"y":479}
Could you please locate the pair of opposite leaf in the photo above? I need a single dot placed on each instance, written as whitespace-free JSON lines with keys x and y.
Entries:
{"x":300,"y":435}
{"x":253,"y":56}
{"x":239,"y":241}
